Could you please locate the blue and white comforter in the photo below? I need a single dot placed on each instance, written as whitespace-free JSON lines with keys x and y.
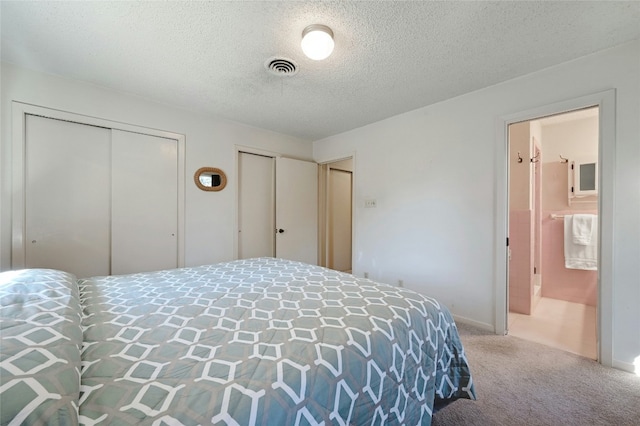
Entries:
{"x":260,"y":341}
{"x":265,"y":341}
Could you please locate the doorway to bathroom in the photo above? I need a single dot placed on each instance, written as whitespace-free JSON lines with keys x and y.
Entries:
{"x":553,"y":230}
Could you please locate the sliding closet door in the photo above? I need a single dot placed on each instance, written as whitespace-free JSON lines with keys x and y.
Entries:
{"x":67,"y":196}
{"x":144,"y":207}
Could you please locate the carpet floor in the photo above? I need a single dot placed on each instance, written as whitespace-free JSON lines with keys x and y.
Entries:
{"x":525,"y":383}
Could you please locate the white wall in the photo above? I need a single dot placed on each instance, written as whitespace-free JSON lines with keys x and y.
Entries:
{"x":433,"y":173}
{"x":569,"y":139}
{"x":210,"y":216}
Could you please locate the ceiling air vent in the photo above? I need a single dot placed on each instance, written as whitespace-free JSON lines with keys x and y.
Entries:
{"x":281,"y":67}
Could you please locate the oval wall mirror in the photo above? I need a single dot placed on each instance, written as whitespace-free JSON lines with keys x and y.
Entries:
{"x":210,"y":179}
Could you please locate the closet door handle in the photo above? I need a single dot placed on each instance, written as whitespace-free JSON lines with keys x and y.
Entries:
{"x":280,"y":231}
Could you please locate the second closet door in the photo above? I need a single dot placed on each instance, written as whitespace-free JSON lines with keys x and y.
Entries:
{"x":144,"y":213}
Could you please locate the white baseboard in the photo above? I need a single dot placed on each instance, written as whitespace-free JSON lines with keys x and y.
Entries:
{"x":624,"y":366}
{"x":469,"y":321}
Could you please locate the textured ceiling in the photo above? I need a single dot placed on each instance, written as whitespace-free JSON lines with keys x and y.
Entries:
{"x":390,"y":57}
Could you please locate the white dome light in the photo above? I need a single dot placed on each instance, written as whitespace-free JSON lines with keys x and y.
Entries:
{"x":317,"y":41}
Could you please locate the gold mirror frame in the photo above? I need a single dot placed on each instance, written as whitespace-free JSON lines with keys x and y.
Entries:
{"x":210,"y":171}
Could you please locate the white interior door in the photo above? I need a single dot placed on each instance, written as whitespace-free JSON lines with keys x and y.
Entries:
{"x":144,"y":207}
{"x":256,"y":206}
{"x":67,"y":196}
{"x":297,"y":210}
{"x":339,"y":219}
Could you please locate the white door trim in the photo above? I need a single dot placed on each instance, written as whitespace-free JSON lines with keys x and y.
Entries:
{"x":19,"y":110}
{"x":606,"y":102}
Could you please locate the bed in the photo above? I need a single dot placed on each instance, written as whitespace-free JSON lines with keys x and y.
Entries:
{"x":257,"y":341}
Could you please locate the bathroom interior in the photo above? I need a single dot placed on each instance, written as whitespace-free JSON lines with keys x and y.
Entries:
{"x":553,"y":219}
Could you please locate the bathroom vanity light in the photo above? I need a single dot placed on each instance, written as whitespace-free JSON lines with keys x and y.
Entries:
{"x":317,"y":41}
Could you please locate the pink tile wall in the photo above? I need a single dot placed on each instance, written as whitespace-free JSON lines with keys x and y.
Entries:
{"x":521,"y":263}
{"x":558,"y":282}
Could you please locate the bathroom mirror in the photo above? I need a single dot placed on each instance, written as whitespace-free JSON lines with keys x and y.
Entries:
{"x":210,"y":179}
{"x":585,"y":176}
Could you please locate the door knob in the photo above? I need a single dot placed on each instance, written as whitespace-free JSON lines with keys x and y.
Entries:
{"x":280,"y":231}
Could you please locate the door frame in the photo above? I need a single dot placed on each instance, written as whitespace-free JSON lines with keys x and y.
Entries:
{"x":19,"y":111}
{"x":606,"y":101}
{"x":537,"y":209}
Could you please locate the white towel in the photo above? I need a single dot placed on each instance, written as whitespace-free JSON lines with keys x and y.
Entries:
{"x":578,"y":256}
{"x":582,"y":228}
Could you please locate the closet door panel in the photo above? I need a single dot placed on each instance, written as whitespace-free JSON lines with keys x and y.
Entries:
{"x":144,"y":208}
{"x":256,"y":206}
{"x":297,"y":210}
{"x":67,"y":196}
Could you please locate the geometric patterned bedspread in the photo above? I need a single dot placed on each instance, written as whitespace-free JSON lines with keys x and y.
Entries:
{"x":264,"y":341}
{"x":40,"y":341}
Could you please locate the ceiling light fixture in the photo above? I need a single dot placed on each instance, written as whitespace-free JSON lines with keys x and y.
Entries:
{"x":317,"y":41}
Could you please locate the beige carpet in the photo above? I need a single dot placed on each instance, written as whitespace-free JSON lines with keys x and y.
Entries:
{"x":524,"y":383}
